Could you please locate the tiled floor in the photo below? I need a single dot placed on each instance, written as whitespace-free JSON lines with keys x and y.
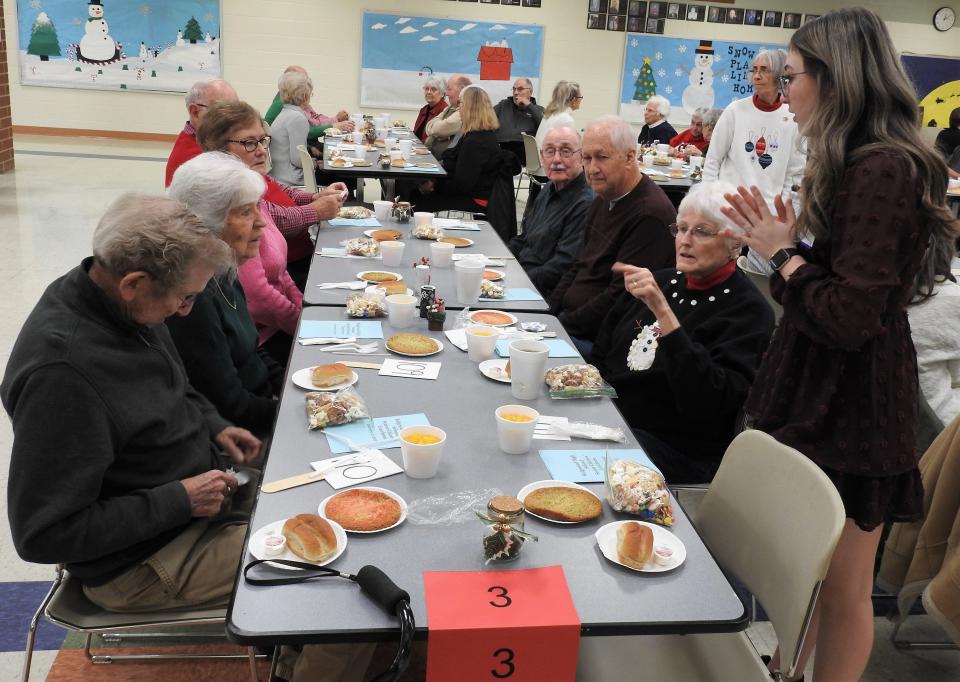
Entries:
{"x":48,"y":209}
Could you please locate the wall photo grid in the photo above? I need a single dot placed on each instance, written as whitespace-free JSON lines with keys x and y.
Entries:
{"x":640,"y":16}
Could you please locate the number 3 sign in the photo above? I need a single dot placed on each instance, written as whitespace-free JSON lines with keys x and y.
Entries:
{"x":519,"y":626}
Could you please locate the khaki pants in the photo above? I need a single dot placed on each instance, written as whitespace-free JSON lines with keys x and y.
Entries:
{"x":195,"y":569}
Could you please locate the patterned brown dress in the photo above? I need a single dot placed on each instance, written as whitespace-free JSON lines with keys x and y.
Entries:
{"x":839,"y":380}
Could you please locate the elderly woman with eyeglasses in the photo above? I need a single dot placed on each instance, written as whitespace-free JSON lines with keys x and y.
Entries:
{"x":218,"y":340}
{"x":236,"y":128}
{"x":272,"y":296}
{"x":434,"y":91}
{"x":681,"y":346}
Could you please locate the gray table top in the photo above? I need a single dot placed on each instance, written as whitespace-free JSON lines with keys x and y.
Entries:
{"x":486,"y":241}
{"x":374,"y":170}
{"x":610,"y":599}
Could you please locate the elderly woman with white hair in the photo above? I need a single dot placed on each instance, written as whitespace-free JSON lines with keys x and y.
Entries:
{"x":434,"y":91}
{"x":692,"y":137}
{"x":218,"y":340}
{"x":291,"y":128}
{"x":756,"y":141}
{"x":681,"y":346}
{"x":655,"y":128}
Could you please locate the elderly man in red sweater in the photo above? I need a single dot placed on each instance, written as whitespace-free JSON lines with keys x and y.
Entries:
{"x":199,"y":99}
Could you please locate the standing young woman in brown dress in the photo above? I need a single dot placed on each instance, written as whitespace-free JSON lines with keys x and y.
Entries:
{"x":839,"y":382}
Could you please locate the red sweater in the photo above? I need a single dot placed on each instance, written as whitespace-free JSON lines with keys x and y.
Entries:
{"x":184,"y":149}
{"x":686,"y":137}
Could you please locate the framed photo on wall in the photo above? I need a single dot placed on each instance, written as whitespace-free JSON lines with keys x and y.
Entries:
{"x":734,"y":16}
{"x":656,"y":10}
{"x":772,"y":19}
{"x":617,"y":7}
{"x":715,"y":15}
{"x":531,"y":3}
{"x":510,"y":2}
{"x":791,"y":20}
{"x":597,"y":21}
{"x":753,"y":17}
{"x":635,"y":24}
{"x":637,"y":8}
{"x":696,"y":12}
{"x":489,"y":2}
{"x":807,"y":18}
{"x":597,"y":6}
{"x":654,"y":25}
{"x":676,"y":10}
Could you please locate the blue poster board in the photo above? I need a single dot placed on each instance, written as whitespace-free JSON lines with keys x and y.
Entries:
{"x":690,"y":73}
{"x":118,"y":44}
{"x":400,"y":51}
{"x":937,"y":81}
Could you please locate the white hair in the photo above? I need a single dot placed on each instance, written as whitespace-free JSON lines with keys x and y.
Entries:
{"x":707,"y":199}
{"x":699,"y":112}
{"x":661,"y":104}
{"x":198,"y":90}
{"x":436,"y":82}
{"x":214,"y":183}
{"x":619,"y":131}
{"x":777,"y":59}
{"x":711,"y":117}
{"x":295,"y":88}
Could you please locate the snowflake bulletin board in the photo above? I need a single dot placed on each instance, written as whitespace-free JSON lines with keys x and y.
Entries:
{"x":400,"y":50}
{"x":689,"y":73}
{"x":155,"y":45}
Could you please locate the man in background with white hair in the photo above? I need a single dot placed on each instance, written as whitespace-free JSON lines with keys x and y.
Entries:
{"x":199,"y":99}
{"x":656,"y":130}
{"x":442,"y":129}
{"x":628,"y":223}
{"x":517,"y":114}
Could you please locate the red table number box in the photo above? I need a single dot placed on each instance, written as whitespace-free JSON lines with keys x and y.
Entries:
{"x":519,"y":626}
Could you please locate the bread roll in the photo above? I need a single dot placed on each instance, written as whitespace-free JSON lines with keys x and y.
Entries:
{"x":634,"y":544}
{"x":310,"y":537}
{"x":335,"y":373}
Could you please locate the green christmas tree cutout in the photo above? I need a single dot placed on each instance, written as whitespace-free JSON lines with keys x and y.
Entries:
{"x":645,"y":86}
{"x":192,"y":32}
{"x":43,"y":39}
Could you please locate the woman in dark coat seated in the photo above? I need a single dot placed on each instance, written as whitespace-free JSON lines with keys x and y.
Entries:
{"x":472,"y":161}
{"x":218,"y":339}
{"x":681,"y":346}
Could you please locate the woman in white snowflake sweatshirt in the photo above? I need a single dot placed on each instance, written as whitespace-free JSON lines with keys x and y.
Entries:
{"x":756,"y":141}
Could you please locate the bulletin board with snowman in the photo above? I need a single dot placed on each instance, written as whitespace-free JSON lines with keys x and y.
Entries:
{"x":159,"y":45}
{"x":689,"y":73}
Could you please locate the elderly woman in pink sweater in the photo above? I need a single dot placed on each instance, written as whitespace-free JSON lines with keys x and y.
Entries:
{"x":274,"y":300}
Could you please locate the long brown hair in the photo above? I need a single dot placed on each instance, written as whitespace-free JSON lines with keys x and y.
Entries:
{"x":865,"y":103}
{"x":476,"y":112}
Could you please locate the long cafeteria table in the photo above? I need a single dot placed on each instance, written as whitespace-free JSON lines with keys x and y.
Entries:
{"x":609,"y":599}
{"x":486,"y":241}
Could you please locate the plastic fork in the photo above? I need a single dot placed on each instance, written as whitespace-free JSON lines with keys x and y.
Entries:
{"x":355,"y":347}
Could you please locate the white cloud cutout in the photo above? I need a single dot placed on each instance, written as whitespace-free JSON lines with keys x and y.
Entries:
{"x":429,"y":24}
{"x":523,"y":32}
{"x":409,"y":29}
{"x":498,"y":27}
{"x":425,"y":39}
{"x":402,"y":20}
{"x":377,"y":27}
{"x":448,"y":32}
{"x":467,"y":27}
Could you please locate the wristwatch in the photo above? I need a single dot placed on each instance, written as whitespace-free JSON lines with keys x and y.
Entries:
{"x":780,"y":258}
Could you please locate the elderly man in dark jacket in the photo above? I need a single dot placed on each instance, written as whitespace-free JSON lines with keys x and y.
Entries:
{"x":518,"y":114}
{"x":553,"y":228}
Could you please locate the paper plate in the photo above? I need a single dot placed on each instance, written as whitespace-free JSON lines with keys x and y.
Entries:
{"x":459,"y":242}
{"x":536,"y":485}
{"x":363,"y":275}
{"x":322,"y":509}
{"x":369,"y":233}
{"x":417,"y":355}
{"x":607,"y":541}
{"x":495,"y":369}
{"x":301,"y":378}
{"x":492,"y":275}
{"x":477,"y":317}
{"x":255,"y":546}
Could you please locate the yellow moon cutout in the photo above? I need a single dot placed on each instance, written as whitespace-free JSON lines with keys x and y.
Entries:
{"x":950,"y":94}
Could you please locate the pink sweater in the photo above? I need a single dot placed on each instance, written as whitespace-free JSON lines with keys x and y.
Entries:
{"x":272,"y":297}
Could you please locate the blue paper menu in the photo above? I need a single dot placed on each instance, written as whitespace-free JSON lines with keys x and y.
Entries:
{"x":558,"y":348}
{"x":340,"y":329}
{"x":369,"y":430}
{"x":354,"y":222}
{"x":586,"y":466}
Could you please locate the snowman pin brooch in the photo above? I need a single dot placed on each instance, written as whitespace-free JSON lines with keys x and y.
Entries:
{"x":644,"y":348}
